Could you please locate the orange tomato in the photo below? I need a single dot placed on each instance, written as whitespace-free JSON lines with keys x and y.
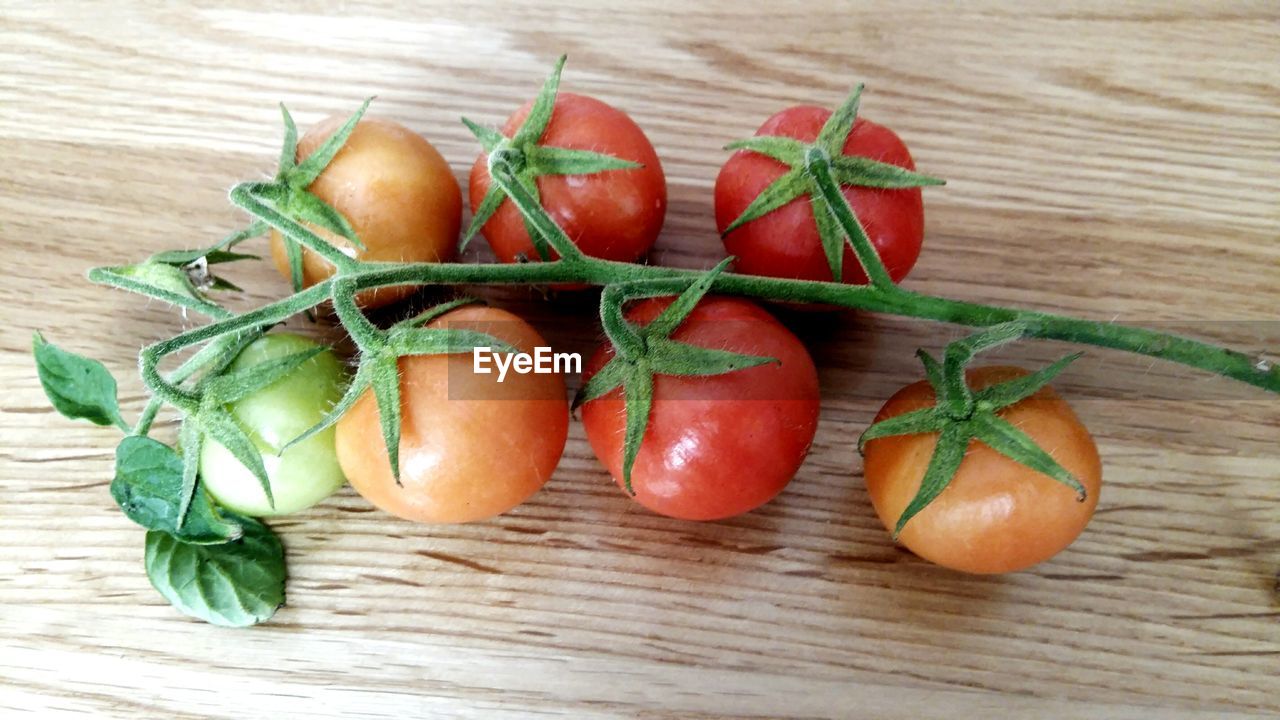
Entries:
{"x":470,"y":447}
{"x":397,"y":192}
{"x":997,"y":515}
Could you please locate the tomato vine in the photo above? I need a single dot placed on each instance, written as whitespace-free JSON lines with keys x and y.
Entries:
{"x":160,"y":490}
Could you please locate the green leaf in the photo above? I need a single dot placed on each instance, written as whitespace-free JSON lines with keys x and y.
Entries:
{"x":542,"y":237}
{"x":220,"y":427}
{"x":308,"y":170}
{"x":836,"y":130}
{"x":542,"y":160}
{"x":358,"y":385}
{"x":865,"y":172}
{"x":434,"y":312}
{"x":1016,"y":445}
{"x":148,"y":486}
{"x":442,"y":341}
{"x":289,"y":150}
{"x":219,"y":252}
{"x":234,"y":584}
{"x":818,"y":172}
{"x":182,"y":258}
{"x":305,"y":207}
{"x":783,"y":149}
{"x":385,"y":379}
{"x":535,"y":123}
{"x":489,"y":138}
{"x":926,"y":420}
{"x":956,"y":395}
{"x":670,"y":319}
{"x":638,"y":390}
{"x":493,"y":198}
{"x":608,"y":378}
{"x":191,"y":439}
{"x":669,"y":357}
{"x":786,"y":188}
{"x":830,"y":234}
{"x":293,"y":254}
{"x":231,"y":387}
{"x":78,"y":387}
{"x":1012,"y":391}
{"x":953,"y":443}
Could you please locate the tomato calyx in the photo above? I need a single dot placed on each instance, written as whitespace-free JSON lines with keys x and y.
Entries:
{"x":521,"y":159}
{"x":818,"y":170}
{"x":645,"y":351}
{"x":962,"y":415}
{"x":288,"y":195}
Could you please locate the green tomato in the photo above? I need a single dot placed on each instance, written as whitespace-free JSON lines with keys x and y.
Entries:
{"x":304,"y":474}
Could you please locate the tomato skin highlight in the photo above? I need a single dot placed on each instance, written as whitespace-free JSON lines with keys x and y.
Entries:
{"x":785,"y":243}
{"x":614,"y":215}
{"x":397,"y":192}
{"x":470,"y":447}
{"x":997,"y":515}
{"x":307,"y":472}
{"x":715,"y":446}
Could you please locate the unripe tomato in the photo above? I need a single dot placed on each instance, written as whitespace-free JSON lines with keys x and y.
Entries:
{"x":997,"y":515}
{"x":471,"y":447}
{"x":615,"y":214}
{"x":397,"y":192}
{"x":720,"y":445}
{"x":307,"y":472}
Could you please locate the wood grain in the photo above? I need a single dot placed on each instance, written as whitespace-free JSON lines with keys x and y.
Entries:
{"x":1115,"y":160}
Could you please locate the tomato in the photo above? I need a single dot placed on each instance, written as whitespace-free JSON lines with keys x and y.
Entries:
{"x":996,"y":515}
{"x":307,"y":472}
{"x":785,"y":242}
{"x":470,"y":447}
{"x":715,"y":446}
{"x":615,"y":214}
{"x":397,"y":192}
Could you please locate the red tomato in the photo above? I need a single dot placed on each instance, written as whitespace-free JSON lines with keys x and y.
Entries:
{"x":715,"y":446}
{"x":785,"y":243}
{"x":470,"y":447}
{"x":615,"y":215}
{"x":997,"y":515}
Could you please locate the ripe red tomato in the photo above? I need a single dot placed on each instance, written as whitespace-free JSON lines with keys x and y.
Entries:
{"x":615,"y":215}
{"x":397,"y":192}
{"x":471,"y":447}
{"x":997,"y":515}
{"x":785,"y":243}
{"x":715,"y":446}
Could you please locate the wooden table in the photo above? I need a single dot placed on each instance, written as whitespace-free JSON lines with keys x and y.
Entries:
{"x":1107,"y":160}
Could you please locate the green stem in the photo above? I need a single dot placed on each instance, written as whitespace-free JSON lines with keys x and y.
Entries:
{"x":593,"y":271}
{"x":245,"y":196}
{"x":580,"y":269}
{"x":818,"y":167}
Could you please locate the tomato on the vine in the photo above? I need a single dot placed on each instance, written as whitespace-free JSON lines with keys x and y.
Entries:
{"x":304,"y":474}
{"x":612,"y":214}
{"x":396,"y":191}
{"x":996,"y":515}
{"x":721,"y":445}
{"x":785,"y":242}
{"x":471,"y":447}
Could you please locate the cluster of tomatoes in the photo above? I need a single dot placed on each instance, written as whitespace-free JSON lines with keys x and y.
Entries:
{"x":715,"y":446}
